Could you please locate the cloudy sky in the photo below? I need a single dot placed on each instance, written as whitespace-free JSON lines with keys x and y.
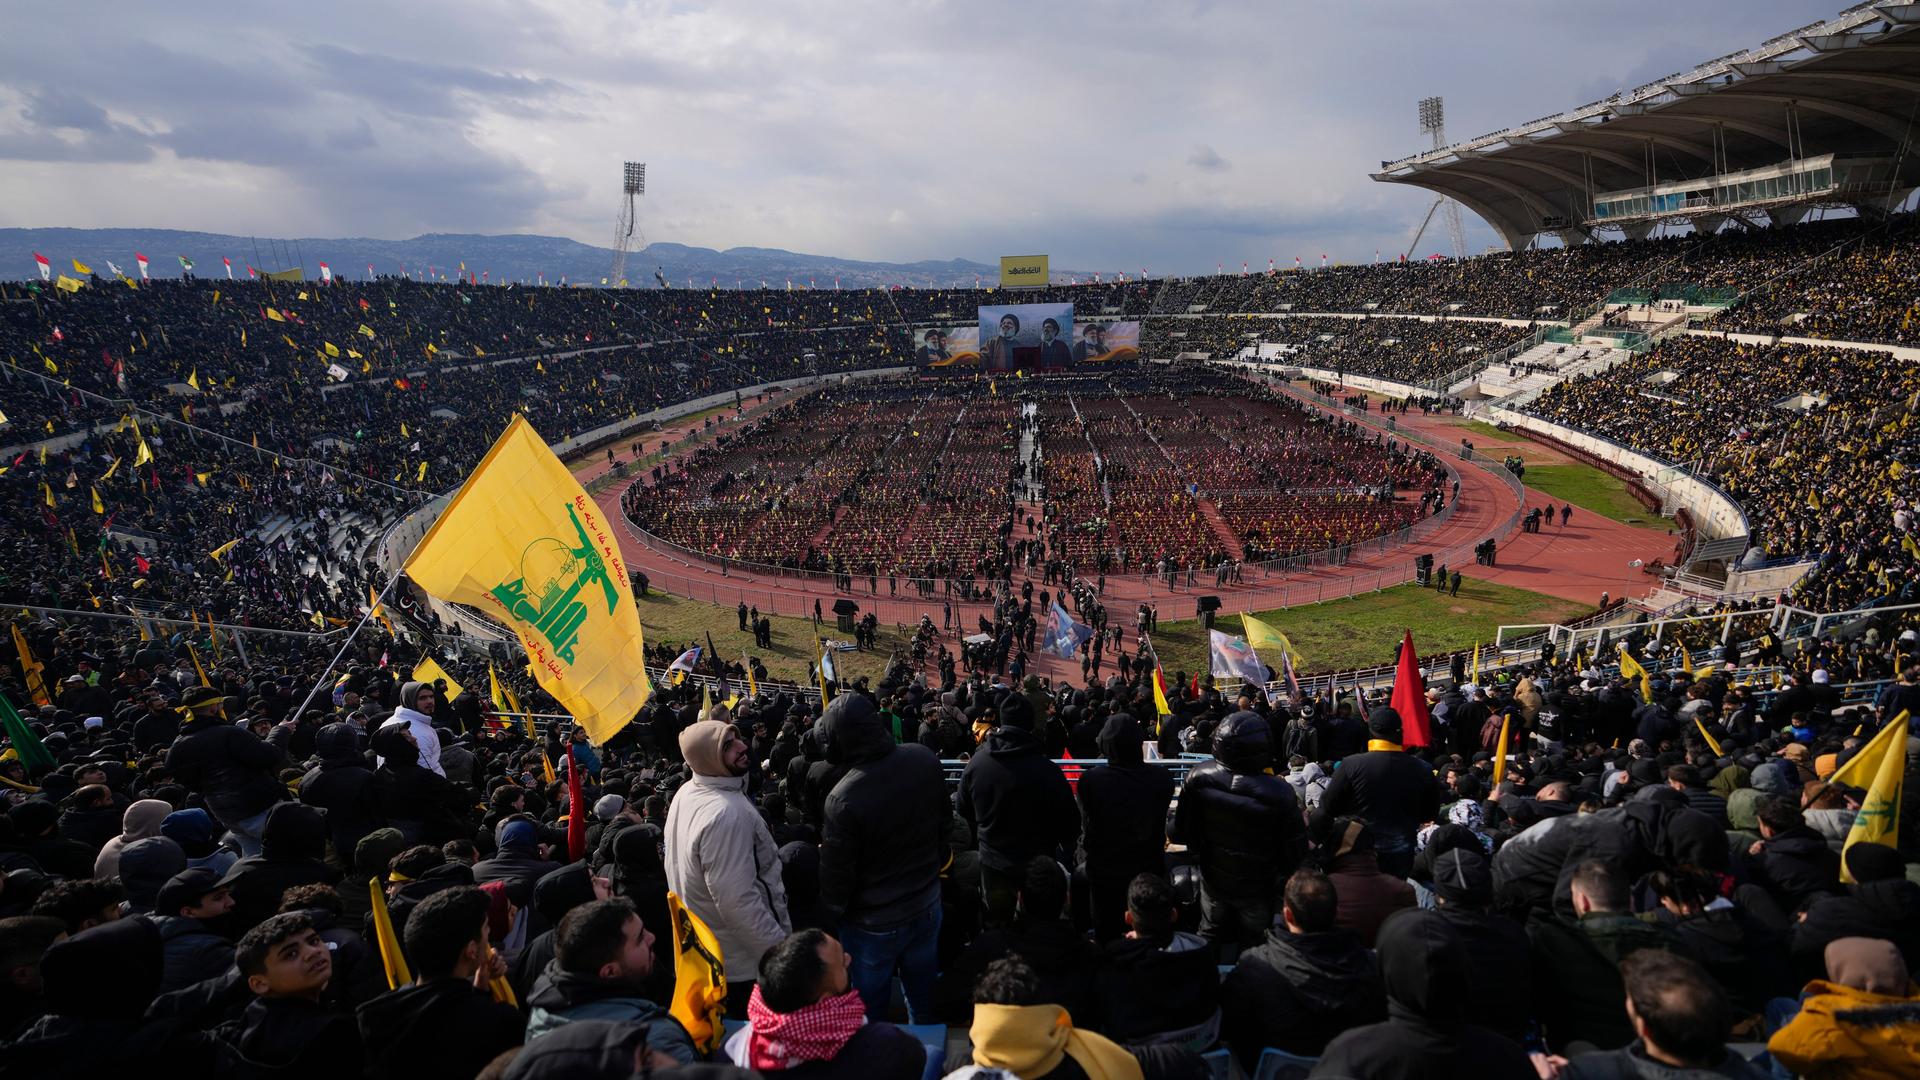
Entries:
{"x":1174,"y":135}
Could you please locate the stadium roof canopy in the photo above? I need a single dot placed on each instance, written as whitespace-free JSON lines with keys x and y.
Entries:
{"x":1738,"y":137}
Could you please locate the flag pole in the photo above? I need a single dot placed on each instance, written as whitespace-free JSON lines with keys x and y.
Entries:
{"x":335,"y":662}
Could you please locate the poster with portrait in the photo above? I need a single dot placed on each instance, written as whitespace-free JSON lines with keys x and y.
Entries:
{"x":947,"y":347}
{"x":1099,"y":342}
{"x":1032,"y":336}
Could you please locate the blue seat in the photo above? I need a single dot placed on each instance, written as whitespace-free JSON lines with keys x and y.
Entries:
{"x":1219,"y":1062}
{"x":1280,"y":1065}
{"x":934,"y":1038}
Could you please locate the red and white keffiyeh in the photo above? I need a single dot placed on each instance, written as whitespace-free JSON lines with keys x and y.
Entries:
{"x":814,"y":1033}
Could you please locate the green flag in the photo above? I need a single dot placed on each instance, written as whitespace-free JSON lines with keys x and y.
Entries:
{"x":33,"y":754}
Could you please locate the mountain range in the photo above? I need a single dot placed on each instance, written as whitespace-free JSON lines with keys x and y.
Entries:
{"x":508,"y":257}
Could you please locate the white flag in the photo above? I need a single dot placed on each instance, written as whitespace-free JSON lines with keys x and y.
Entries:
{"x":337,"y":373}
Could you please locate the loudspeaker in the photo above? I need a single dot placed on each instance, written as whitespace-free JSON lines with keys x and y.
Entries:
{"x":1204,"y":604}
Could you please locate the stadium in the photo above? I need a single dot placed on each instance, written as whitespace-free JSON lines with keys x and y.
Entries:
{"x":1134,"y":647}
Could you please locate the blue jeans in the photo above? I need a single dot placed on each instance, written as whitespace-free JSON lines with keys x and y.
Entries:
{"x":247,"y":831}
{"x":911,"y":948}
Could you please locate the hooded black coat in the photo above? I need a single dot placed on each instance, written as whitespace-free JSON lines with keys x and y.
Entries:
{"x":97,"y":986}
{"x":1887,"y":909}
{"x":883,"y":841}
{"x":1123,"y":807}
{"x":1017,"y":800}
{"x":436,"y":1029}
{"x":1426,"y":1034}
{"x":1241,"y":823}
{"x":293,"y":849}
{"x":342,"y":785}
{"x":228,"y":766}
{"x":1293,"y":992}
{"x":425,"y":806}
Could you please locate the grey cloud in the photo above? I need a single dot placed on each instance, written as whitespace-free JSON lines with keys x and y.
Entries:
{"x":1207,"y":159}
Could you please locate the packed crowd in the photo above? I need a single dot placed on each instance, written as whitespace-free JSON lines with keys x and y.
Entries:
{"x":198,"y":870}
{"x":1129,"y":473}
{"x":1813,"y":443}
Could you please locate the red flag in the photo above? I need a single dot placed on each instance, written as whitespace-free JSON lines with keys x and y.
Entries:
{"x":576,"y":814}
{"x":1194,"y":690}
{"x":1410,"y":698}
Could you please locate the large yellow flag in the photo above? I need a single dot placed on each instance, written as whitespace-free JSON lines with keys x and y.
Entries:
{"x":1880,"y":767}
{"x":427,"y":671}
{"x":523,"y":542}
{"x":1264,"y":635}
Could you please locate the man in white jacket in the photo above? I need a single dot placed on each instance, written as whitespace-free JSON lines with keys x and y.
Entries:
{"x":415,"y":713}
{"x":721,"y":860}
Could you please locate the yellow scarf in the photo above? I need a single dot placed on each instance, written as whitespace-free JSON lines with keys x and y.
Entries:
{"x":1029,"y":1040}
{"x":1382,"y":744}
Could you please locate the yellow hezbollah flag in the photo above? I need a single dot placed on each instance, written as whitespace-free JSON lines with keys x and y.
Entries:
{"x":700,"y":977}
{"x":1265,"y":635}
{"x":81,"y":268}
{"x":1880,"y":767}
{"x":504,"y":700}
{"x":1631,"y":669}
{"x":1500,"y":754}
{"x":391,"y":957}
{"x":221,"y":552}
{"x":427,"y":671}
{"x":36,"y":681}
{"x":522,"y":541}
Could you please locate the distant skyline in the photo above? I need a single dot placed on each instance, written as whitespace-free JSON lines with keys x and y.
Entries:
{"x":1110,"y":136}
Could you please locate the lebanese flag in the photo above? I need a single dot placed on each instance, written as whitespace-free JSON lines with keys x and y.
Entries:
{"x":326,"y":274}
{"x":228,"y":263}
{"x":251,"y":272}
{"x":46,"y":267}
{"x":1410,"y":698}
{"x":141,"y":261}
{"x":369,"y":271}
{"x":57,"y":335}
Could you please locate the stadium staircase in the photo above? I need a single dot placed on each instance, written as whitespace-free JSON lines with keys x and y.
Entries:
{"x":1229,"y":542}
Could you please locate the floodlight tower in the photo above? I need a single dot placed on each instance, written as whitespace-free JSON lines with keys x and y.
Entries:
{"x":1433,"y":122}
{"x":633,"y":183}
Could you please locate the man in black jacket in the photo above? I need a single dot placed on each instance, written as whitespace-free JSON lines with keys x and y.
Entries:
{"x":1018,"y":802}
{"x":1158,"y":984}
{"x":1308,"y":981}
{"x":445,"y":1024}
{"x":1390,"y":790}
{"x":882,"y":848}
{"x":231,"y":768}
{"x":342,"y":786}
{"x":1123,"y":809}
{"x":1244,"y":829}
{"x":1791,"y":861}
{"x":1499,"y":970}
{"x":1881,"y":903}
{"x":286,"y":1031}
{"x":1427,"y":1032}
{"x":293,"y":852}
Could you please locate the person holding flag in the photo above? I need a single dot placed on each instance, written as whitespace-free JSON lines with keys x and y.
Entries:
{"x":1391,"y":790}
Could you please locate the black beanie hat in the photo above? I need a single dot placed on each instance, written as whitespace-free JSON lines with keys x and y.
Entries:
{"x":1016,"y":711}
{"x":1384,"y":722}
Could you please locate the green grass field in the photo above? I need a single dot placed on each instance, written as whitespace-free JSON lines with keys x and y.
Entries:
{"x":1364,"y":631}
{"x":1488,"y":431}
{"x":681,"y":623}
{"x":1591,"y":489}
